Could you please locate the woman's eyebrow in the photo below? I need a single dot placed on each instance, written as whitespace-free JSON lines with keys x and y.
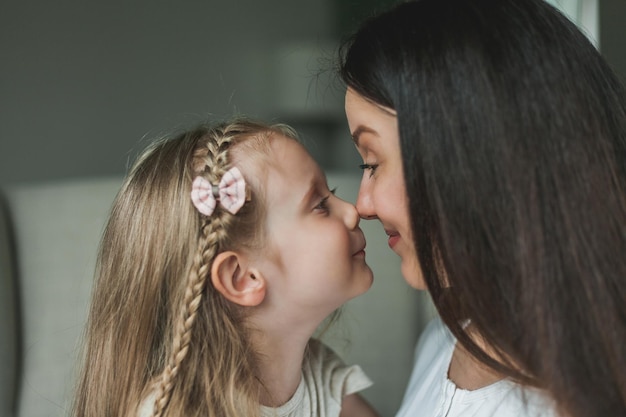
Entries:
{"x":356,"y":134}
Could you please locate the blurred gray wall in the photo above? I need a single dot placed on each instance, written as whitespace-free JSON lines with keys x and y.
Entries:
{"x":613,"y":34}
{"x":85,"y":85}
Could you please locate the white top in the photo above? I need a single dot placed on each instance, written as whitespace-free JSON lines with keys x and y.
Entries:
{"x":431,"y":394}
{"x":325,"y":381}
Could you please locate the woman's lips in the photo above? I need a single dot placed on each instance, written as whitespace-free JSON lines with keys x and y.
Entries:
{"x":393,"y":238}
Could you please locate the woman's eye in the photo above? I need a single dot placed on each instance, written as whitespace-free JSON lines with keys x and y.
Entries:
{"x":370,"y":167}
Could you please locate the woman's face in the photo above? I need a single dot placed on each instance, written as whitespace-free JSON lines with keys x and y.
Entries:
{"x":382,"y":193}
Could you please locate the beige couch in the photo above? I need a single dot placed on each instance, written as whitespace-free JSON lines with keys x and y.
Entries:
{"x":49,"y":233}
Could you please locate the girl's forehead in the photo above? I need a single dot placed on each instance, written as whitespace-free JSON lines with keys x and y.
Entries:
{"x":278,"y":167}
{"x":292,"y":158}
{"x":291,"y":164}
{"x":283,"y":151}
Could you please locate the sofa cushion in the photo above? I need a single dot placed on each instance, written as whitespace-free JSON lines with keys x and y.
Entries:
{"x":9,"y":337}
{"x":57,"y":229}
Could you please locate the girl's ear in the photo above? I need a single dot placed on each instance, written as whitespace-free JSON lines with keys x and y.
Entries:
{"x":241,"y":284}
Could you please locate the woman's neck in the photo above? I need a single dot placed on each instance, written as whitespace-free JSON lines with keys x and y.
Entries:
{"x":466,"y":371}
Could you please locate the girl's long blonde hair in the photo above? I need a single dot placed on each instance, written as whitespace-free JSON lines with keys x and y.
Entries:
{"x":157,"y":327}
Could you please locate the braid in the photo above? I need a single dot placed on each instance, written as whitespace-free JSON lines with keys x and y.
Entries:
{"x":213,"y":233}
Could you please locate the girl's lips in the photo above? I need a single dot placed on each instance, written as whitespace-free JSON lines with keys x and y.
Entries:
{"x":360,"y":252}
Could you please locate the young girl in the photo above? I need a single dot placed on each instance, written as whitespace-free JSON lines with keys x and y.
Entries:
{"x":224,"y":251}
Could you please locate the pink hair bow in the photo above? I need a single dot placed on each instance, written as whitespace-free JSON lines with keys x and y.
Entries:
{"x":231,"y":192}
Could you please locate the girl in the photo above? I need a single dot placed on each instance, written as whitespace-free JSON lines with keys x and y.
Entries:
{"x":224,"y":251}
{"x":493,"y":136}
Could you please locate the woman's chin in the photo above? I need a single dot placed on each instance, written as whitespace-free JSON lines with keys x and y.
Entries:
{"x":413,"y":276}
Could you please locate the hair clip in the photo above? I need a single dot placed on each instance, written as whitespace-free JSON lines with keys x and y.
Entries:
{"x":230,"y":192}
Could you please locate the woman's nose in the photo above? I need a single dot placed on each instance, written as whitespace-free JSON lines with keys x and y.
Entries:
{"x":364,"y":204}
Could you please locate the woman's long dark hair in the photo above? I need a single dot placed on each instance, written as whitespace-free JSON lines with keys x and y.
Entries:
{"x":513,"y":138}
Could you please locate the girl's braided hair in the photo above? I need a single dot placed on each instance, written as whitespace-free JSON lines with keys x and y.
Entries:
{"x":213,"y":158}
{"x":159,"y":333}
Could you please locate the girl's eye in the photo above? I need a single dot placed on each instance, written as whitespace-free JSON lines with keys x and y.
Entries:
{"x":371,"y":167}
{"x":323,"y":204}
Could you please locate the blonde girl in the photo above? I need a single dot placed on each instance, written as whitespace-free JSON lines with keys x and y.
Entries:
{"x":224,"y":251}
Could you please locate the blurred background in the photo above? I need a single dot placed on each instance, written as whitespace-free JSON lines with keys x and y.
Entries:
{"x":85,"y":85}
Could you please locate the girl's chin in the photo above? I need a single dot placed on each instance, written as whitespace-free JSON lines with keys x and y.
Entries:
{"x":366,"y":282}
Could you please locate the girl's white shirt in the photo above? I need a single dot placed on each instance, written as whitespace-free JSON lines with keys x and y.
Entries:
{"x":431,"y":394}
{"x":326,"y":379}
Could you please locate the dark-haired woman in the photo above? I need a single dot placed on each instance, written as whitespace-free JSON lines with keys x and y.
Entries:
{"x":493,"y":138}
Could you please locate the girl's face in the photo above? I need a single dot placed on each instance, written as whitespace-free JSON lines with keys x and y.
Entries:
{"x":382,"y":194}
{"x":316,"y":258}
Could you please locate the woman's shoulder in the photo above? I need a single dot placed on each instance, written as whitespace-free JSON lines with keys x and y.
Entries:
{"x":433,"y":352}
{"x":434,"y":340}
{"x":434,"y":349}
{"x":504,"y":398}
{"x":424,"y":391}
{"x":430,"y":390}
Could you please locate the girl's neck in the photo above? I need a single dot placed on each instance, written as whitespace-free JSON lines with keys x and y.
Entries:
{"x":281,"y":355}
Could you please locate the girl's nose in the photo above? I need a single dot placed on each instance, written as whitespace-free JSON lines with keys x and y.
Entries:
{"x":351,"y":216}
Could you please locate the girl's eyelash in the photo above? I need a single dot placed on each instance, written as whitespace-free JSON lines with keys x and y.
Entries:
{"x":371,"y":167}
{"x":323,"y":204}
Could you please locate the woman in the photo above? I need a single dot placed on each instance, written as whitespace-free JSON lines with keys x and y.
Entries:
{"x":493,"y":137}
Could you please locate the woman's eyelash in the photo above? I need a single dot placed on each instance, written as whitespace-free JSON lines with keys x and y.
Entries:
{"x":371,"y":167}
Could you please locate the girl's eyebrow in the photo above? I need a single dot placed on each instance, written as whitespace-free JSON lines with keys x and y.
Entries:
{"x":310,"y":193}
{"x":314,"y":189}
{"x":356,"y":134}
